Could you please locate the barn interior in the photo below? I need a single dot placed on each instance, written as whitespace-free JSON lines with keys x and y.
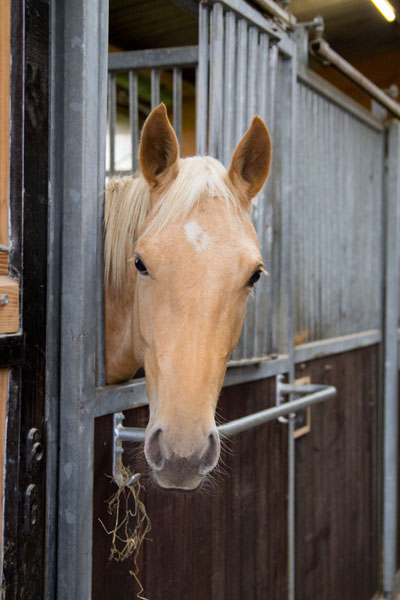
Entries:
{"x":355,"y":29}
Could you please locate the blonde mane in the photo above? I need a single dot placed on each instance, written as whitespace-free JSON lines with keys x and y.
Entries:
{"x":127,"y":205}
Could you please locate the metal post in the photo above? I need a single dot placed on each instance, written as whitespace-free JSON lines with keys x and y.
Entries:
{"x":229,"y":87}
{"x":81,"y":107}
{"x":112,"y":117}
{"x":202,"y":83}
{"x":155,"y":87}
{"x":390,"y":350}
{"x":216,"y":82}
{"x":134,"y":117}
{"x":177,"y":102}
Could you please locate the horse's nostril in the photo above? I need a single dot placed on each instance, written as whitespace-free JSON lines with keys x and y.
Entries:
{"x":153,"y":451}
{"x":210,"y":458}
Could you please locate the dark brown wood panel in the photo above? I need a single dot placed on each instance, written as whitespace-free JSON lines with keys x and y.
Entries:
{"x":337,"y":541}
{"x":226,"y":543}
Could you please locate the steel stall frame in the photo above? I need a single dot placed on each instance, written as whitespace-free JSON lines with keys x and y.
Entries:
{"x":390,"y":358}
{"x":80,"y":101}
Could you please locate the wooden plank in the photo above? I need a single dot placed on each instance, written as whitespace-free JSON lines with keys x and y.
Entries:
{"x":3,"y":413}
{"x":9,"y":313}
{"x":3,"y":263}
{"x":337,"y":534}
{"x":5,"y":14}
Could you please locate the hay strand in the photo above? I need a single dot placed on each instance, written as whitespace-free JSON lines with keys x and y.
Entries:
{"x":130,"y":526}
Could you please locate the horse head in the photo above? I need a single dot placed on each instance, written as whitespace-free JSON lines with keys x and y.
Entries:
{"x":195,"y":260}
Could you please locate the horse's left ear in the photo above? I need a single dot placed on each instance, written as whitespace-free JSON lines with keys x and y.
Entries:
{"x":159,"y":149}
{"x":251,"y":161}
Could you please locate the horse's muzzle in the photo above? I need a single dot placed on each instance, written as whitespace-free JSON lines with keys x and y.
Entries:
{"x":174,"y":471}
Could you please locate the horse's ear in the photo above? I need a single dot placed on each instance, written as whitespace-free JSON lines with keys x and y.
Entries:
{"x":251,"y":161}
{"x":159,"y":149}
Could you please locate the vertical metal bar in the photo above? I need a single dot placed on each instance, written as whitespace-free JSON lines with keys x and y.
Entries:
{"x":101,"y":166}
{"x":262,"y":301}
{"x":390,"y":350}
{"x":84,"y":75}
{"x":241,"y":82}
{"x":252,"y":74}
{"x":202,"y":82}
{"x":112,"y":117}
{"x":52,"y":415}
{"x":241,"y":117}
{"x":291,"y":506}
{"x":229,"y":87}
{"x":216,"y":83}
{"x":155,"y":88}
{"x":177,"y":102}
{"x":134,"y":118}
{"x":288,"y":124}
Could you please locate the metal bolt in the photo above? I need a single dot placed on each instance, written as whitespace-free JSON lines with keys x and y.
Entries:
{"x":3,"y":299}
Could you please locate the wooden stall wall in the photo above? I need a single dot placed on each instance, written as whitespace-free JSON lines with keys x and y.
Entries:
{"x":337,"y":530}
{"x":226,"y":543}
{"x":231,"y":542}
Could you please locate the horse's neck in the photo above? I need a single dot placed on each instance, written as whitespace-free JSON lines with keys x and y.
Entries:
{"x":121,"y":364}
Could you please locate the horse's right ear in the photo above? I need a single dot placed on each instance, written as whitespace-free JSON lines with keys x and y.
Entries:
{"x":159,"y":149}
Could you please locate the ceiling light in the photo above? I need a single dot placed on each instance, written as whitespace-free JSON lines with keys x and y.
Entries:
{"x":386,"y":9}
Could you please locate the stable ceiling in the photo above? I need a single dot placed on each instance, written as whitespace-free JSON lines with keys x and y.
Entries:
{"x":354,"y":28}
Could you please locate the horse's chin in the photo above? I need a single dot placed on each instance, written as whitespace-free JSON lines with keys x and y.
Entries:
{"x":175,"y":485}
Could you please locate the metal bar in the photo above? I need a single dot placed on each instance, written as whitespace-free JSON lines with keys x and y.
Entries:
{"x":148,"y":59}
{"x":252,"y":74}
{"x":177,"y":102}
{"x":277,"y":11}
{"x":112,"y":117}
{"x":134,"y":118}
{"x":83,"y":94}
{"x":137,"y":434}
{"x":155,"y":88}
{"x":322,"y":49}
{"x":101,"y":167}
{"x":241,"y":82}
{"x":326,"y":89}
{"x":253,"y":16}
{"x":202,"y":83}
{"x":216,"y":80}
{"x":390,"y":352}
{"x":336,"y":345}
{"x":229,"y":87}
{"x":117,"y":398}
{"x":291,"y":506}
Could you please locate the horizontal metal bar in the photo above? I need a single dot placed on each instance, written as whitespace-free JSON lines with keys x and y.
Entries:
{"x":183,"y":56}
{"x":274,"y":9}
{"x":322,"y":49}
{"x":117,"y":398}
{"x":320,"y":394}
{"x":337,"y":345}
{"x":270,"y":414}
{"x":326,"y":89}
{"x":253,"y":16}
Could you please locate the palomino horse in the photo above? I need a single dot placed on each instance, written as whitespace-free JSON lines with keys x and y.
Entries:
{"x":181,"y":258}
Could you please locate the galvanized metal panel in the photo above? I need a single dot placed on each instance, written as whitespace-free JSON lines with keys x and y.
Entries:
{"x":337,"y":217}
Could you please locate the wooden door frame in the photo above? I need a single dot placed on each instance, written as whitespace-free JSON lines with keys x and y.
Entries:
{"x":25,"y":353}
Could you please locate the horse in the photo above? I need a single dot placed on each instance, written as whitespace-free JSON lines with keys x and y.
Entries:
{"x":181,"y":259}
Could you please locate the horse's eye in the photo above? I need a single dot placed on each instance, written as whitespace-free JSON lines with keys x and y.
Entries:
{"x":254,"y":278}
{"x":140,"y":266}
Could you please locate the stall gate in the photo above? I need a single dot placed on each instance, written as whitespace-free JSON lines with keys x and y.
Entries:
{"x":274,"y":526}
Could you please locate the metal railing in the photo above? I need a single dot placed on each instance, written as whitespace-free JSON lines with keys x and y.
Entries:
{"x":311,"y":394}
